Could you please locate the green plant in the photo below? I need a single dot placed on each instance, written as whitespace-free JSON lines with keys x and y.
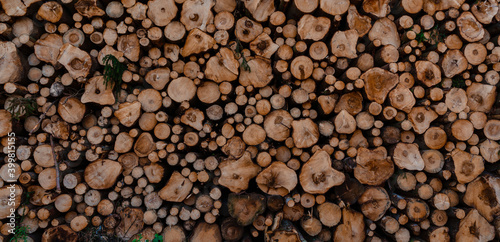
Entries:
{"x":420,"y":37}
{"x":113,"y":71}
{"x":20,"y":107}
{"x":458,"y":82}
{"x":21,"y":232}
{"x":436,"y":36}
{"x":157,"y":238}
{"x":244,"y":62}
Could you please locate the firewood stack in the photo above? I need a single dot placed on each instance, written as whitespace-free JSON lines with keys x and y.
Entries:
{"x":255,"y":120}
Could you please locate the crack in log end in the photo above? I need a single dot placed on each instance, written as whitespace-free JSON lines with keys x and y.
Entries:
{"x":319,"y":178}
{"x":248,"y":24}
{"x":420,"y":117}
{"x":429,"y":74}
{"x":194,"y":17}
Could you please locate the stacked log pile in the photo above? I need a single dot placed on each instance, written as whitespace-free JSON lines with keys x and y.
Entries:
{"x":255,"y":120}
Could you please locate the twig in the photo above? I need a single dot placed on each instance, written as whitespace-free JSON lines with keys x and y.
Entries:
{"x":43,"y":116}
{"x":58,"y":185}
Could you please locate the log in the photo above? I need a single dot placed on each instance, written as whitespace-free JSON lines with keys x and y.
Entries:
{"x":245,"y":208}
{"x":317,"y":176}
{"x":11,"y":63}
{"x":102,"y":174}
{"x":277,"y":179}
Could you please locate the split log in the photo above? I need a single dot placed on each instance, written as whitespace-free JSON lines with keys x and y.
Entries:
{"x":310,"y":27}
{"x":236,"y":174}
{"x":482,"y":195}
{"x":407,"y":156}
{"x":317,"y":176}
{"x":10,"y":63}
{"x":352,"y":228}
{"x":373,"y":166}
{"x":102,"y":174}
{"x":177,"y":188}
{"x":277,"y":179}
{"x":378,"y":83}
{"x":374,"y":203}
{"x":131,"y":223}
{"x":467,"y":166}
{"x":161,"y":12}
{"x":475,"y":227}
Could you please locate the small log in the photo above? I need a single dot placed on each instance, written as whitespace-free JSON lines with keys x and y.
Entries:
{"x":305,"y":133}
{"x":181,"y":89}
{"x":71,"y":110}
{"x":14,"y":7}
{"x":343,"y":43}
{"x":428,"y":73}
{"x":231,"y":231}
{"x":246,"y":30}
{"x":263,"y":46}
{"x":174,"y":233}
{"x":222,"y":67}
{"x":47,"y":48}
{"x":144,"y":145}
{"x":453,"y":63}
{"x":417,"y":210}
{"x":345,"y":123}
{"x":5,"y":194}
{"x":260,"y":9}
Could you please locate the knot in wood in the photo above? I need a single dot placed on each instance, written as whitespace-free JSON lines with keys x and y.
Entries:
{"x":319,"y":178}
{"x":248,"y":24}
{"x":194,"y":17}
